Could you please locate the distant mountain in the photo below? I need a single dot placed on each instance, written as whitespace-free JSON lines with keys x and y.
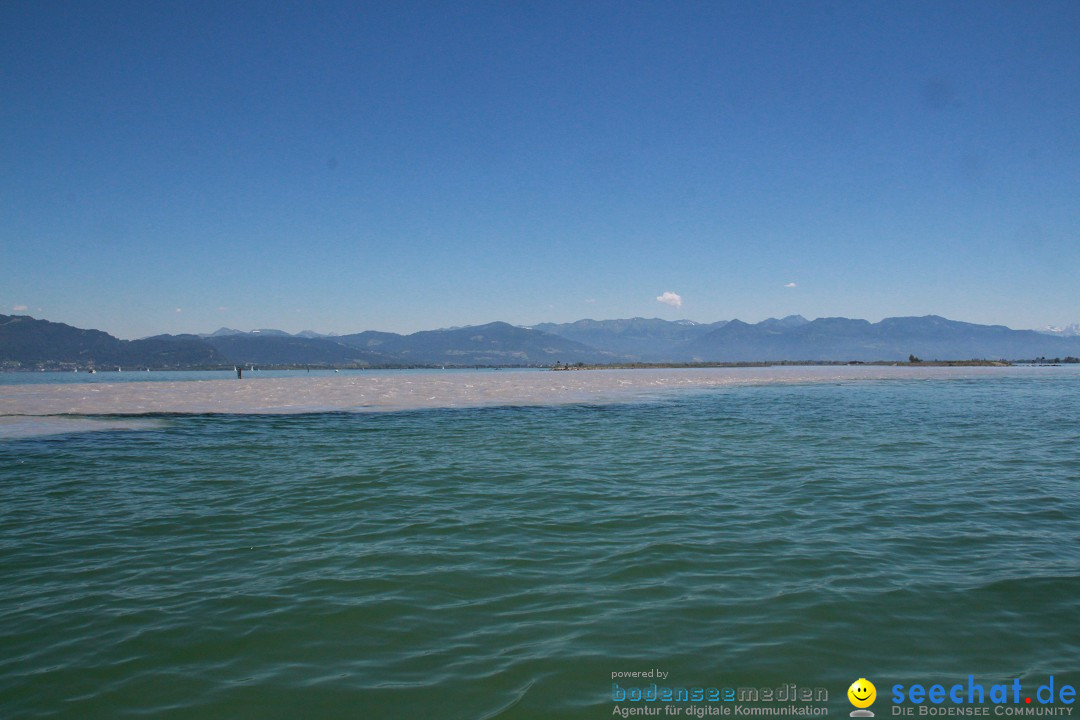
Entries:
{"x":384,"y":342}
{"x":644,"y":339}
{"x":1072,"y":330}
{"x":496,"y":343}
{"x":930,"y":338}
{"x":26,"y":342}
{"x":260,"y":349}
{"x":29,"y":343}
{"x":785,"y":323}
{"x":223,"y":332}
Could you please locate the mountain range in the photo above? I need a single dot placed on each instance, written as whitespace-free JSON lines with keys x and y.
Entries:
{"x":27,"y":343}
{"x":1072,"y":330}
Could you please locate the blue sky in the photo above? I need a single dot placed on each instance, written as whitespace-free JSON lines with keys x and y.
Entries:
{"x":342,"y":166}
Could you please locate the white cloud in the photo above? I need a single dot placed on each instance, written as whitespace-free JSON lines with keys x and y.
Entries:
{"x":179,"y":310}
{"x":791,"y":284}
{"x":20,"y":308}
{"x":670,"y":298}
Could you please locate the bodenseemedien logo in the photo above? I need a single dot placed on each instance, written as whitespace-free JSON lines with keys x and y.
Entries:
{"x":671,"y":699}
{"x":862,"y":694}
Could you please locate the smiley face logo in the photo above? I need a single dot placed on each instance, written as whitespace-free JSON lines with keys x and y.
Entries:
{"x":862,"y":693}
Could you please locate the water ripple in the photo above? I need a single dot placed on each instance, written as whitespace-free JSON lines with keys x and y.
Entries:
{"x":502,"y":562}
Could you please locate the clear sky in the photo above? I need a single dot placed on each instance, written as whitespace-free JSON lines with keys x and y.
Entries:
{"x":343,"y":166}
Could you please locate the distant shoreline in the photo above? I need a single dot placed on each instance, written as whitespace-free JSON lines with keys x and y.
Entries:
{"x":1043,"y":362}
{"x":792,"y":363}
{"x":107,"y":370}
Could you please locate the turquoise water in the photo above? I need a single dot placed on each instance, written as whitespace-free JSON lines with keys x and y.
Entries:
{"x":504,"y":562}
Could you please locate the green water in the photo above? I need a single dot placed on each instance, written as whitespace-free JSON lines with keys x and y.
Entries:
{"x":504,"y":562}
